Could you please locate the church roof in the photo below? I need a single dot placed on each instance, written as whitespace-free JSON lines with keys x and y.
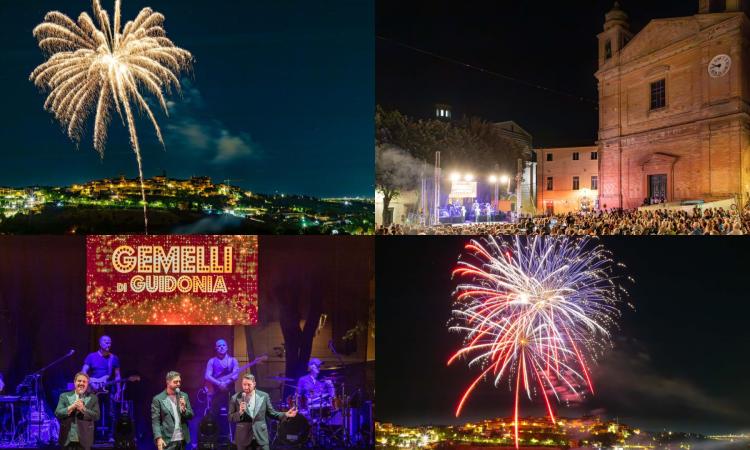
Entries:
{"x":514,"y":128}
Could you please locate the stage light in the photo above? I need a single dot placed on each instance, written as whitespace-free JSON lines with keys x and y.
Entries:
{"x":455,"y":176}
{"x":468,"y":177}
{"x":504,"y":179}
{"x":493,"y":179}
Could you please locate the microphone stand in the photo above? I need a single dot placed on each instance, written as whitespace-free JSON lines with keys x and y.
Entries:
{"x":37,"y":380}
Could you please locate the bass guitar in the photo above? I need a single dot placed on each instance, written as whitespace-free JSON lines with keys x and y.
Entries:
{"x":209,"y":390}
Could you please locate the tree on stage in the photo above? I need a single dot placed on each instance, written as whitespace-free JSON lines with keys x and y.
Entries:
{"x":299,"y":298}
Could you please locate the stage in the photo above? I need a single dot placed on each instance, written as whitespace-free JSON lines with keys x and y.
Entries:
{"x":311,"y":295}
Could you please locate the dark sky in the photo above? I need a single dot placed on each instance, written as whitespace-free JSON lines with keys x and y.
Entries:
{"x":281,"y":99}
{"x":679,"y":361}
{"x":550,"y":43}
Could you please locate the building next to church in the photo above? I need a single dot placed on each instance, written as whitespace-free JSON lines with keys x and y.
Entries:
{"x":674,"y":104}
{"x":567,"y":179}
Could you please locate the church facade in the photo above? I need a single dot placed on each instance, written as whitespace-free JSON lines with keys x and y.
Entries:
{"x":674,"y":107}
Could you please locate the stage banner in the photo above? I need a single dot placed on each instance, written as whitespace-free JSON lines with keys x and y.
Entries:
{"x":172,"y":280}
{"x":464,"y":189}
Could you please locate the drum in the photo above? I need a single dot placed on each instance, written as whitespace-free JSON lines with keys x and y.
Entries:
{"x":298,"y":400}
{"x":340,"y":402}
{"x":336,"y":418}
{"x":293,"y":431}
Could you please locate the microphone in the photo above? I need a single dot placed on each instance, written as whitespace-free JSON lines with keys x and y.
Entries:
{"x":71,"y":352}
{"x":177,"y":392}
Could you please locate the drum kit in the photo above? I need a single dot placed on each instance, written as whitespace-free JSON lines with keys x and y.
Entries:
{"x":324,"y":420}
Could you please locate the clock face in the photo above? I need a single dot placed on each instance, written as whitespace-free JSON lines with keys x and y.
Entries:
{"x":719,"y":66}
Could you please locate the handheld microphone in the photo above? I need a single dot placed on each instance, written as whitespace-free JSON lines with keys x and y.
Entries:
{"x":177,"y":392}
{"x":71,"y":352}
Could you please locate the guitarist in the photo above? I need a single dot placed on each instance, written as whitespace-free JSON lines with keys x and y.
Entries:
{"x":103,"y":367}
{"x":221,"y":372}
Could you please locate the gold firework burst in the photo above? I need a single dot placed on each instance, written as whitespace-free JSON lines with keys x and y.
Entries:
{"x":97,"y":69}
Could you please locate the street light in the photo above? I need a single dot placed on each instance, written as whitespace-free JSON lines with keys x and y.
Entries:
{"x":455,"y":176}
{"x":468,"y":177}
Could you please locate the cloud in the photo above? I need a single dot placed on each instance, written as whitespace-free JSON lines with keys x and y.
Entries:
{"x":191,"y":129}
{"x":629,"y":382}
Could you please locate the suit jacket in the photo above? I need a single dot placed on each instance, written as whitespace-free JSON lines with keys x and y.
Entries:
{"x":84,"y":420}
{"x":249,"y":427}
{"x":163,"y":419}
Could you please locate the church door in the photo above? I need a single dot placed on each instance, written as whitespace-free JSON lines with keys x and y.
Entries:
{"x":657,"y":186}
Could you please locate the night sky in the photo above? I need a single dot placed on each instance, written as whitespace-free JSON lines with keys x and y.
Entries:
{"x":679,"y":360}
{"x":549,"y":43}
{"x":281,"y":99}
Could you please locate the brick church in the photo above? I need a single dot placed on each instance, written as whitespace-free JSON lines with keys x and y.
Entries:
{"x":674,"y":107}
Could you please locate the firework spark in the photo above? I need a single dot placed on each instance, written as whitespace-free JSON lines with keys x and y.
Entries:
{"x":97,"y":69}
{"x":536,"y":312}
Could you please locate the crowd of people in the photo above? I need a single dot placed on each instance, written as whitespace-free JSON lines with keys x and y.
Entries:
{"x":709,"y":221}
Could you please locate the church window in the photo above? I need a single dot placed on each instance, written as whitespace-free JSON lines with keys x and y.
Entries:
{"x":658,"y":94}
{"x":608,"y":49}
{"x":549,"y":183}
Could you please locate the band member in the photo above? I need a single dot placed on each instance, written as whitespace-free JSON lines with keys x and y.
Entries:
{"x":221,"y":372}
{"x":309,"y":385}
{"x":104,"y":369}
{"x":103,"y":366}
{"x":170,"y":411}
{"x":249,"y":409}
{"x":77,"y":411}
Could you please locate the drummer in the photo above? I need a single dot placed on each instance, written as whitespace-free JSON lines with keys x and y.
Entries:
{"x":317,"y":392}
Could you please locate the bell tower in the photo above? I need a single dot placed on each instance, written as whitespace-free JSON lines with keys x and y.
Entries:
{"x":615,"y":35}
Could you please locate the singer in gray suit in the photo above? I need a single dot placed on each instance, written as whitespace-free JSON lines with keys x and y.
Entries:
{"x":170,"y":411}
{"x":77,"y":411}
{"x":248,"y":409}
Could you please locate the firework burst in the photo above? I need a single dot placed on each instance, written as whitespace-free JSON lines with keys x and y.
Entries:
{"x":95,"y":66}
{"x":535,"y":312}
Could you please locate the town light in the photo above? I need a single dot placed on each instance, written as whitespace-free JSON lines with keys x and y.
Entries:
{"x":493,"y":179}
{"x":455,"y":176}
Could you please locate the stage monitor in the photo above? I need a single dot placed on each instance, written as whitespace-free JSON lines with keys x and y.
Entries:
{"x":464,"y":189}
{"x":172,"y":280}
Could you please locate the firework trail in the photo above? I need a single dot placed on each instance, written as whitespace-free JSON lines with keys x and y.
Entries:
{"x":535,"y":312}
{"x":94,"y":69}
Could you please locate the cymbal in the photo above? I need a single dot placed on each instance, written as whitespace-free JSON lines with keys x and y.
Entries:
{"x":337,"y":368}
{"x":331,"y":378}
{"x":280,"y":379}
